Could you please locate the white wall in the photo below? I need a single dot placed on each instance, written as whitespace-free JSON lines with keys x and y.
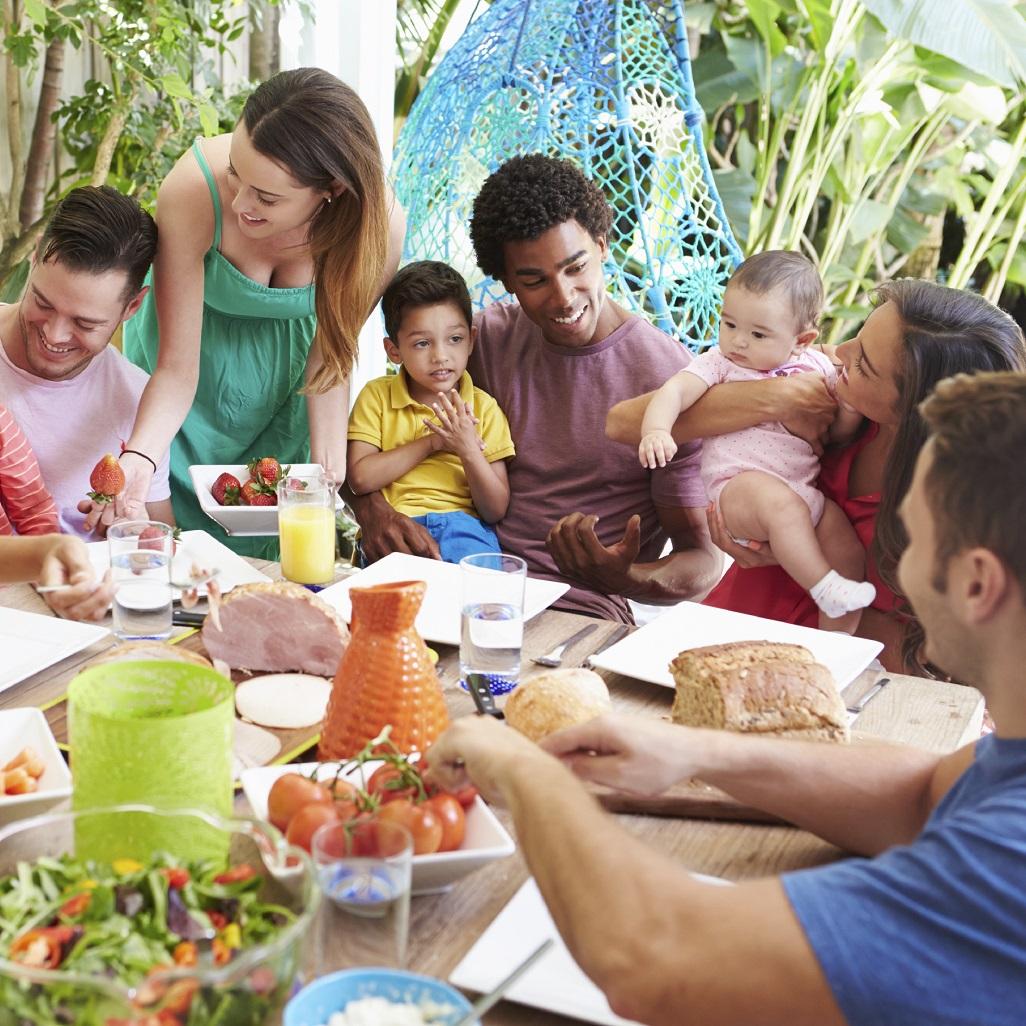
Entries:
{"x":355,"y":40}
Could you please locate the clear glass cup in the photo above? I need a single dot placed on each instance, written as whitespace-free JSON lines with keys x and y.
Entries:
{"x":140,"y":561}
{"x":492,"y":618}
{"x":306,"y":528}
{"x":365,"y":872}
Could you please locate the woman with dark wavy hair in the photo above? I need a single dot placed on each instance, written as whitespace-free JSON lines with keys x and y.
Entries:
{"x":275,"y":242}
{"x":918,"y":334}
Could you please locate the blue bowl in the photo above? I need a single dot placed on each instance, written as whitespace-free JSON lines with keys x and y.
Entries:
{"x":314,"y":1004}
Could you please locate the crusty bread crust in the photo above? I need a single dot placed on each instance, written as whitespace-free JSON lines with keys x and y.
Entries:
{"x":758,"y":687}
{"x":555,"y":700}
{"x":136,"y":651}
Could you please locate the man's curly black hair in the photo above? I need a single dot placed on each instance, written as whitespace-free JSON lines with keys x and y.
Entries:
{"x":526,"y":197}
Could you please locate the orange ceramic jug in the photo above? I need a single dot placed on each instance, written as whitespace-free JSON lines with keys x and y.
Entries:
{"x":386,"y":676}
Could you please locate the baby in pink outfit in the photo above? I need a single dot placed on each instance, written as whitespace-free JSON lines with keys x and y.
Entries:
{"x":764,"y":478}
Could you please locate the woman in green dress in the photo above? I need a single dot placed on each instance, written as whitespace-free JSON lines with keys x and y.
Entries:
{"x":275,"y":242}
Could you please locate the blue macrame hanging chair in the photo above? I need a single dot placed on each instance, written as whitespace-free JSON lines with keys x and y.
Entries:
{"x":607,"y":84}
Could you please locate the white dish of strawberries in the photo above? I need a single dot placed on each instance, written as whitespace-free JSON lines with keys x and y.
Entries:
{"x":241,"y":497}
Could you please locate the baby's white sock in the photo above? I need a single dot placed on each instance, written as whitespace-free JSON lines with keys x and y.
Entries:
{"x":836,"y":595}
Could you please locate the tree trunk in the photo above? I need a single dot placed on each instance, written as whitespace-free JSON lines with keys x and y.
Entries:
{"x":18,"y":247}
{"x":264,"y":50}
{"x":15,"y":147}
{"x":111,"y":135}
{"x":924,"y":260}
{"x":44,"y":131}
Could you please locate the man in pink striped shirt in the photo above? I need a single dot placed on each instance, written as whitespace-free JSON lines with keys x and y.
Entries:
{"x":26,"y":507}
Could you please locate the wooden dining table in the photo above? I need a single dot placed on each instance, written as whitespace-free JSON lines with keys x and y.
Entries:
{"x":443,"y":927}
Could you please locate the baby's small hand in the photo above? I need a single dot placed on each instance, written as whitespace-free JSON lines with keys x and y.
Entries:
{"x":656,"y":449}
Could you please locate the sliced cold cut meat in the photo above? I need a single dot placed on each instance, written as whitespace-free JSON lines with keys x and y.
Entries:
{"x":278,"y":627}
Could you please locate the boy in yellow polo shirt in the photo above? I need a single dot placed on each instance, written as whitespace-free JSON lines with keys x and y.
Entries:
{"x":431,"y":442}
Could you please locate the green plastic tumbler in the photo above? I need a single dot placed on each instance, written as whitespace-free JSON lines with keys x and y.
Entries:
{"x":154,"y":733}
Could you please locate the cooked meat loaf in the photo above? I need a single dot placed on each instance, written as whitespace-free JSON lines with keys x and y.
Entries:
{"x":279,"y":627}
{"x":758,"y":687}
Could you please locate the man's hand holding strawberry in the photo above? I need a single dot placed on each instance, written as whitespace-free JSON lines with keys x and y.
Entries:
{"x":119,"y":487}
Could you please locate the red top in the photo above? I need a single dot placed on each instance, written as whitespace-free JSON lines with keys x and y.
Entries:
{"x":26,"y":507}
{"x":768,"y":591}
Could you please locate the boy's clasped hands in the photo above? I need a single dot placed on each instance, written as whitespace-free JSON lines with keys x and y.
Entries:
{"x":456,"y":429}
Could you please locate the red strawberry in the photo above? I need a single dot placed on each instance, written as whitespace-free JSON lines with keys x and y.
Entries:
{"x":106,"y":480}
{"x":254,"y":493}
{"x":267,"y":470}
{"x":226,"y":490}
{"x":153,"y":538}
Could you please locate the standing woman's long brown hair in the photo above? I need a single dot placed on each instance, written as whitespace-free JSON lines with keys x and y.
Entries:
{"x":316,"y":126}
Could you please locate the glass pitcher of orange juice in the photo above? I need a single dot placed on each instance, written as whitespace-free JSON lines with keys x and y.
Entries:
{"x":306,"y":526}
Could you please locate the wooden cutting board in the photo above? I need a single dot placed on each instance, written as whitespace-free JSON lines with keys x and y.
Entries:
{"x":692,"y":800}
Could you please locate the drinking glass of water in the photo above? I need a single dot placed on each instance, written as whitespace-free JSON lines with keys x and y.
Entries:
{"x":140,"y":561}
{"x":365,"y":869}
{"x":492,"y":621}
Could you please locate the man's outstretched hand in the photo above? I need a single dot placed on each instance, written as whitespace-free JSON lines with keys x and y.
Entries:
{"x":579,"y":554}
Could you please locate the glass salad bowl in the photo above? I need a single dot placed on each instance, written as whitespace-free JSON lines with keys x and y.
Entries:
{"x":172,"y":941}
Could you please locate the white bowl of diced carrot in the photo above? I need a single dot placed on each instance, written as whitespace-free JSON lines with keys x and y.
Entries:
{"x":33,"y":774}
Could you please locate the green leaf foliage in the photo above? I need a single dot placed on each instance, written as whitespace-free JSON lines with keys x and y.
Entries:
{"x":986,"y":36}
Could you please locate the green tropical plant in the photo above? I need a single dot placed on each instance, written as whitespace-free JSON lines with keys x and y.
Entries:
{"x":849,"y":129}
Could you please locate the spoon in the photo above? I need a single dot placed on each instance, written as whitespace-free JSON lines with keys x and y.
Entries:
{"x":495,"y":994}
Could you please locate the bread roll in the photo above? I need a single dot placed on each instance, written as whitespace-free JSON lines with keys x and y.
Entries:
{"x":555,"y":700}
{"x":758,"y":687}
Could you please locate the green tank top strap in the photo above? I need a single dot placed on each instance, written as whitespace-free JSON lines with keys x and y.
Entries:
{"x":214,"y":195}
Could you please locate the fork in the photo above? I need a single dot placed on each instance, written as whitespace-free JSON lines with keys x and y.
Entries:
{"x":555,"y":656}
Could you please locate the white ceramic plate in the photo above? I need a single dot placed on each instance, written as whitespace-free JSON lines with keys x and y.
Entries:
{"x":646,"y":654}
{"x":241,"y":521}
{"x":202,"y":549}
{"x":27,"y":728}
{"x":439,"y":617}
{"x":555,"y":982}
{"x":484,"y":842}
{"x":31,"y":642}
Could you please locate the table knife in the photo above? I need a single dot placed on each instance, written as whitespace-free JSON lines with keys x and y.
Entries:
{"x":614,"y":636}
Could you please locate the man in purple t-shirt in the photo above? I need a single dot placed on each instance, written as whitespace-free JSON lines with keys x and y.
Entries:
{"x":582,"y":509}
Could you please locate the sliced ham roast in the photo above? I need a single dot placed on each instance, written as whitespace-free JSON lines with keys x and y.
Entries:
{"x":279,"y":627}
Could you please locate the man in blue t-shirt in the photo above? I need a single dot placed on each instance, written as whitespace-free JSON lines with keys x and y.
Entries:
{"x":929,"y":931}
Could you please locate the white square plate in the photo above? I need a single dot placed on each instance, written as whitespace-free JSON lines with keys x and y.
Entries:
{"x":27,"y":728}
{"x":31,"y":642}
{"x":200,"y":548}
{"x":646,"y":654}
{"x":439,"y":616}
{"x":555,"y":982}
{"x":485,"y":840}
{"x":241,"y":521}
